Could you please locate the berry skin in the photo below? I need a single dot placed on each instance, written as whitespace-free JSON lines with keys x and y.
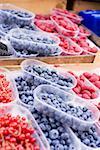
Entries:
{"x":17,"y":132}
{"x":54,"y":134}
{"x":50,"y":75}
{"x":6,"y":93}
{"x":90,"y":137}
{"x":84,"y":90}
{"x":57,"y":135}
{"x":97,"y":84}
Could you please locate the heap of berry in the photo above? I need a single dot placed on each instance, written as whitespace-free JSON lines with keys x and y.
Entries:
{"x":58,"y":136}
{"x":16,"y":133}
{"x":19,"y":17}
{"x":28,"y":42}
{"x":84,"y":90}
{"x":64,"y":25}
{"x":68,"y":46}
{"x":90,"y":137}
{"x":6,"y":93}
{"x":50,"y":75}
{"x":25,"y":86}
{"x":57,"y":102}
{"x":72,"y":16}
{"x":46,"y":26}
{"x":84,"y":32}
{"x":93,"y":77}
{"x":82,"y":42}
{"x":42,"y":17}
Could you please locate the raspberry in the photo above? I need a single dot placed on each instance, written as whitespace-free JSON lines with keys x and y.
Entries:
{"x":86,"y":92}
{"x":86,"y":96}
{"x":77,"y":90}
{"x":87,"y":74}
{"x":94,"y":95}
{"x":97,"y":84}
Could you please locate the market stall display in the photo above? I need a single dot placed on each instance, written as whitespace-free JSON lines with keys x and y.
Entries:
{"x":42,"y":106}
{"x":19,"y":130}
{"x":64,"y":118}
{"x":57,"y":22}
{"x":31,"y":43}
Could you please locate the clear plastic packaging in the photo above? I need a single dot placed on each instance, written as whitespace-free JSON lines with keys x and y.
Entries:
{"x":37,"y":63}
{"x":75,"y":141}
{"x":44,"y":24}
{"x":65,"y":118}
{"x":87,"y":34}
{"x":12,"y":86}
{"x":72,"y":16}
{"x":85,"y":147}
{"x":4,"y":70}
{"x":6,"y":27}
{"x":93,"y":101}
{"x":66,"y":32}
{"x":91,"y":45}
{"x":68,"y":51}
{"x":15,"y":110}
{"x":16,"y":74}
{"x":13,"y":14}
{"x":34,"y":42}
{"x":96,"y":71}
{"x":5,"y":48}
{"x":89,"y":48}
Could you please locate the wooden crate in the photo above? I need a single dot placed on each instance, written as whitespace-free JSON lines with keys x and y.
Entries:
{"x":50,"y":60}
{"x":69,"y":62}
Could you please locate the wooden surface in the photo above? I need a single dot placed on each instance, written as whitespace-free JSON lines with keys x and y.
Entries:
{"x":76,"y":66}
{"x":51,"y":60}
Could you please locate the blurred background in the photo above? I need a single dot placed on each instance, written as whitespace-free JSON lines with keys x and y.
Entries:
{"x":44,"y":6}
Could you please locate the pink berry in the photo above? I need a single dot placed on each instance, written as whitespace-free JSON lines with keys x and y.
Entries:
{"x":97,"y":84}
{"x":86,"y":96}
{"x":87,"y":74}
{"x":94,"y":95}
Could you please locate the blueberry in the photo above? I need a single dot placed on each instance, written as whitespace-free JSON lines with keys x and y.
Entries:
{"x":30,"y":103}
{"x":51,"y":75}
{"x":65,"y":136}
{"x":42,"y":126}
{"x":59,"y":147}
{"x":89,"y":137}
{"x":54,"y":134}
